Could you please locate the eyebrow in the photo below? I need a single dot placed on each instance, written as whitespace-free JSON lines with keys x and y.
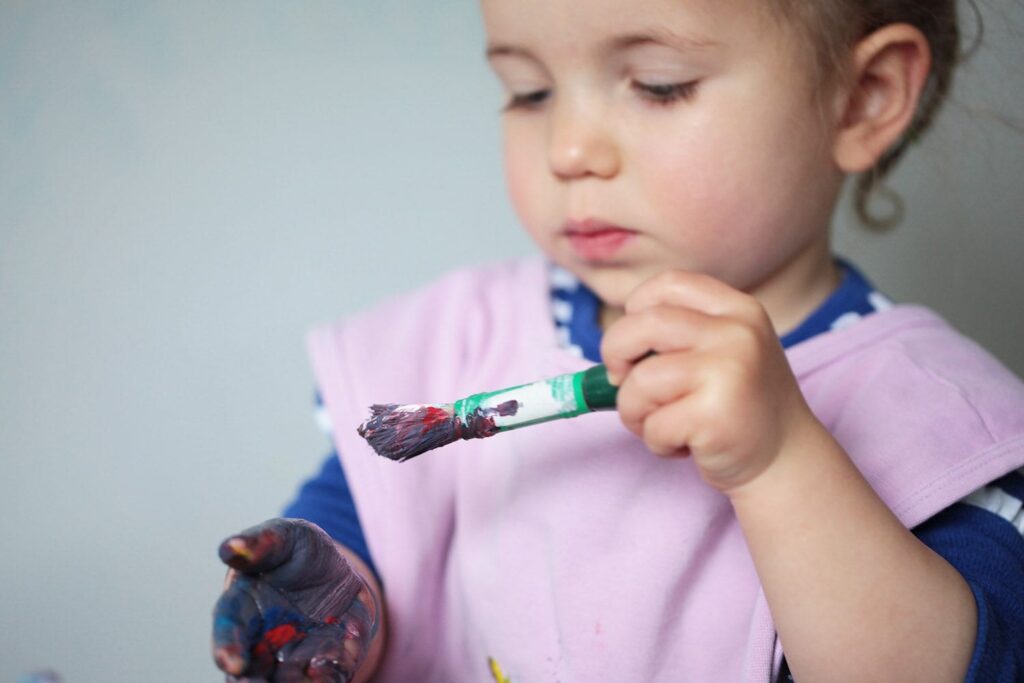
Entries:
{"x":498,"y":50}
{"x":652,"y":36}
{"x":662,"y":36}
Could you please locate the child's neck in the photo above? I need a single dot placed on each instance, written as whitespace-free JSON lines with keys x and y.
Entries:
{"x":798,"y":290}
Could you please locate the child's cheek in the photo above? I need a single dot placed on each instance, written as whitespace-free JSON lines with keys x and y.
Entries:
{"x":703,"y":195}
{"x":524,"y":183}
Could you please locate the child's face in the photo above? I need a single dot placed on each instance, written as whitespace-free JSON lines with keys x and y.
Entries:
{"x":645,"y":135}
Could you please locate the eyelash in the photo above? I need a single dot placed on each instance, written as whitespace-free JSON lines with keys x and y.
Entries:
{"x":665,"y":93}
{"x":661,"y":94}
{"x":529,"y":100}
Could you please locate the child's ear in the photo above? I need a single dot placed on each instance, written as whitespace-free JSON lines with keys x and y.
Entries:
{"x":889,"y":70}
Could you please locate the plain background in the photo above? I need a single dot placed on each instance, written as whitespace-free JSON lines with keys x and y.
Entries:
{"x":186,"y":187}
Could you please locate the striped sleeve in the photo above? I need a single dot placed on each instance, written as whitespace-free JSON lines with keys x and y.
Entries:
{"x":982,"y":536}
{"x":1003,"y":498}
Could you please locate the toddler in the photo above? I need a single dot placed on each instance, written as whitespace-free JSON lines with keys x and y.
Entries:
{"x":802,"y":481}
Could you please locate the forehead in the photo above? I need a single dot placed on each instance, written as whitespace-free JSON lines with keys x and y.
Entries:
{"x":564,"y":22}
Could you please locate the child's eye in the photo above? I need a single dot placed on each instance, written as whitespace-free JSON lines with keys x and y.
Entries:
{"x":527,"y":100}
{"x":665,"y":93}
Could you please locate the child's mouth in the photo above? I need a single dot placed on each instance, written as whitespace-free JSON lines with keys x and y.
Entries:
{"x":596,"y":240}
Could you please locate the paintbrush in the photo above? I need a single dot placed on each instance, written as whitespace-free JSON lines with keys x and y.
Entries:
{"x":401,"y":432}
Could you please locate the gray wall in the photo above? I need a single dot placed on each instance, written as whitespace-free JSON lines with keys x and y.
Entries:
{"x":185,"y":187}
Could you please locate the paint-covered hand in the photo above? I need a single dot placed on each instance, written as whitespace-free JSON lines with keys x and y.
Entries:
{"x":293,"y":608}
{"x":718,"y":385}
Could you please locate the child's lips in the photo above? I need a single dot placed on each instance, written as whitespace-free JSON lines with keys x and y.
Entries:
{"x":596,"y":240}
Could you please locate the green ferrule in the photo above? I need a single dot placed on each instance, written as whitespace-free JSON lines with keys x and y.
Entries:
{"x":598,"y":393}
{"x":556,"y":398}
{"x":577,"y":390}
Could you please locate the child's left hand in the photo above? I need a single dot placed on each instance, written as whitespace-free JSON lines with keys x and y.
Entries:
{"x":293,"y":608}
{"x":718,"y":386}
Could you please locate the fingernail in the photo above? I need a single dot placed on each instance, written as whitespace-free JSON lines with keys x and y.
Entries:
{"x":240,"y":548}
{"x":235,"y":549}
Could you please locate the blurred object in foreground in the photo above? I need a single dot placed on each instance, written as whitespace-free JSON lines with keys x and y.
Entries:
{"x":42,"y":676}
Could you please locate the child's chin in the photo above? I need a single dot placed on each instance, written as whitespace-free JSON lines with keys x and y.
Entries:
{"x":611,"y":285}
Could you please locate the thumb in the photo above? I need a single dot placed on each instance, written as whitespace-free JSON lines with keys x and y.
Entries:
{"x":293,"y":554}
{"x":261,"y":548}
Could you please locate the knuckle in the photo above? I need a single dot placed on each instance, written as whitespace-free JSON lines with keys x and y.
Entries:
{"x":655,"y":287}
{"x":743,"y":335}
{"x":644,"y":378}
{"x":618,"y":338}
{"x":305,"y":533}
{"x":712,"y":435}
{"x":659,"y":435}
{"x":656,"y":322}
{"x":731,"y":370}
{"x":671,"y":278}
{"x":630,"y":412}
{"x":745,"y":347}
{"x":610,"y":345}
{"x":651,"y":434}
{"x":753,"y":312}
{"x":633,"y":424}
{"x":652,"y":289}
{"x":715,"y":430}
{"x":716,"y":400}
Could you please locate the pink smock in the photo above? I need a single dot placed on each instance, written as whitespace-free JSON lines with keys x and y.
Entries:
{"x":567,"y":551}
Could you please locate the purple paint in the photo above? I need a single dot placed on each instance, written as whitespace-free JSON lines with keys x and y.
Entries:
{"x":45,"y":676}
{"x":295,"y":606}
{"x":403,"y":432}
{"x":480,"y":423}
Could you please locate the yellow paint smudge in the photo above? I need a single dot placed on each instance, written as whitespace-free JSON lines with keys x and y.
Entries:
{"x":499,"y":675}
{"x":240,"y":548}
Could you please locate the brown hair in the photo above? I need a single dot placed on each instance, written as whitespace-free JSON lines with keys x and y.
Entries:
{"x":835,"y":26}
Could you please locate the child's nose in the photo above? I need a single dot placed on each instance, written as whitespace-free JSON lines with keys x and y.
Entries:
{"x":580,"y":143}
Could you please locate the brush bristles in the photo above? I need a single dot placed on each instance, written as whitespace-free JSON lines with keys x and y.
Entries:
{"x":401,"y":432}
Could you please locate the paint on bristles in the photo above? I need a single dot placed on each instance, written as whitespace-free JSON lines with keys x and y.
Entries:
{"x":400,"y":432}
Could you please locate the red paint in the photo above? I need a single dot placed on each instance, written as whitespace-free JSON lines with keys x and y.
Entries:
{"x":276,"y":638}
{"x":259,"y":547}
{"x":331,"y":620}
{"x":280,"y":636}
{"x":432,"y":417}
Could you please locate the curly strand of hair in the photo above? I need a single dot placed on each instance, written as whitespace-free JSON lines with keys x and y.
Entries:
{"x":938,"y":22}
{"x":868,"y":192}
{"x":834,"y":27}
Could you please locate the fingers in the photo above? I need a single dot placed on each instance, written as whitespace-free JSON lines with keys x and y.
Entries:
{"x":259,"y":549}
{"x":298,"y":558}
{"x":229,"y":578}
{"x":654,"y":382}
{"x":326,"y":654}
{"x":236,"y":625}
{"x":687,"y":341}
{"x":677,"y":311}
{"x":690,"y":290}
{"x":656,"y":330}
{"x":667,"y":430}
{"x":297,"y":552}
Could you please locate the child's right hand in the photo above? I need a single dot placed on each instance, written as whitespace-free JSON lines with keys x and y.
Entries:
{"x":293,"y":608}
{"x":719,"y":387}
